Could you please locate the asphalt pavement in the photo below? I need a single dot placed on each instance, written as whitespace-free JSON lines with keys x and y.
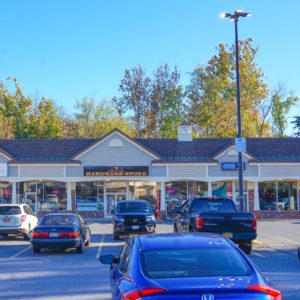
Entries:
{"x":64,"y":275}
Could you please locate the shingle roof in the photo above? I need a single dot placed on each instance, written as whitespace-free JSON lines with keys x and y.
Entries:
{"x":170,"y":150}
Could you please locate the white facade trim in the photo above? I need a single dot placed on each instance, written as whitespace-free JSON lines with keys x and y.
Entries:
{"x":108,"y":136}
{"x":229,"y":148}
{"x":273,"y":163}
{"x":44,"y":165}
{"x":186,"y":164}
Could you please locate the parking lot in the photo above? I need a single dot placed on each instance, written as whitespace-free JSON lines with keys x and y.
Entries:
{"x":54,"y":274}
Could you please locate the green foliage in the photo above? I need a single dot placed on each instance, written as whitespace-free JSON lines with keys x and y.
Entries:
{"x":135,"y":96}
{"x":212,"y":94}
{"x":97,"y":119}
{"x":167,"y":109}
{"x":296,"y":123}
{"x":281,"y":105}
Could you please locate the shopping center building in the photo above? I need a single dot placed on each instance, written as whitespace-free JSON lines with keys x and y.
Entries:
{"x":90,"y":176}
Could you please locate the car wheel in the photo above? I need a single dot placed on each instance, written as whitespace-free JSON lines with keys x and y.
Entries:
{"x":246,"y":247}
{"x":116,"y":237}
{"x":175,"y":228}
{"x":27,"y":236}
{"x":79,"y":248}
{"x":87,"y":243}
{"x":36,"y":250}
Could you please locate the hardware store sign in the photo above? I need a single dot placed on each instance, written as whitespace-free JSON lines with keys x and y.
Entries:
{"x":116,"y":171}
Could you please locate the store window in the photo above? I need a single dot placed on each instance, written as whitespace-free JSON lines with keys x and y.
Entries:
{"x":267,"y":195}
{"x":222,"y":189}
{"x":287,"y":196}
{"x":176,"y":195}
{"x":55,"y":195}
{"x":197,"y":189}
{"x":89,"y":196}
{"x":5,"y":193}
{"x":140,"y":190}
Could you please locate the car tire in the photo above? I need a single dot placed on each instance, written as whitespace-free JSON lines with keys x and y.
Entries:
{"x":79,"y":248}
{"x":246,"y":247}
{"x":27,"y":236}
{"x":36,"y":250}
{"x":87,"y":243}
{"x":116,"y":237}
{"x":175,"y":228}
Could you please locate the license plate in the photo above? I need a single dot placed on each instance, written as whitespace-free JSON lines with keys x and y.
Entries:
{"x":135,"y":227}
{"x":53,"y":234}
{"x":229,"y":235}
{"x":6,"y":219}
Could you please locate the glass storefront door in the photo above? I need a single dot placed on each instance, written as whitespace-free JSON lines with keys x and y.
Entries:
{"x":112,"y":199}
{"x":30,"y":199}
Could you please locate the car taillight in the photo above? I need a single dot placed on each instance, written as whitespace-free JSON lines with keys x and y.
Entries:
{"x":199,"y":222}
{"x":275,"y":294}
{"x":41,"y":234}
{"x":68,"y":234}
{"x":254,"y":223}
{"x":137,"y":294}
{"x":23,"y":218}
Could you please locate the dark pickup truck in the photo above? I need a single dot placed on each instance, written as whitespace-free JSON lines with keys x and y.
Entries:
{"x":132,"y":217}
{"x":217,"y":215}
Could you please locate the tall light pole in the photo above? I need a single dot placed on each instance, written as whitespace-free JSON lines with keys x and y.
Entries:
{"x":235,"y":17}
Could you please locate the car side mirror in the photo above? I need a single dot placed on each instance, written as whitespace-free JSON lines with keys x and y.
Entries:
{"x":108,"y":259}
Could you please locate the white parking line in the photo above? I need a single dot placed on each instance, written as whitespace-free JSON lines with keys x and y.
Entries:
{"x":100,"y":246}
{"x":19,"y":253}
{"x":254,"y":253}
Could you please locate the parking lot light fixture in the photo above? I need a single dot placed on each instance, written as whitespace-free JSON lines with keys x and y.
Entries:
{"x":235,"y":17}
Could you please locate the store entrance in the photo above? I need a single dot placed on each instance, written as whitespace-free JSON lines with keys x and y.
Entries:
{"x":112,"y":199}
{"x":30,"y":199}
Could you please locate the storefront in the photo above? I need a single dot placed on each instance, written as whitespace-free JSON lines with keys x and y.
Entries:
{"x":92,"y":176}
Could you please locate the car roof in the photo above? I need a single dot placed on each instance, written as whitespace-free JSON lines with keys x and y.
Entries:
{"x":61,"y":214}
{"x":134,"y":201}
{"x":14,"y":204}
{"x":182,"y":241}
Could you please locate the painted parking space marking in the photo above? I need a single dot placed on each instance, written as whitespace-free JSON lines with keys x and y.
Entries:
{"x":280,"y":238}
{"x":257,"y":254}
{"x":20,"y":252}
{"x":100,"y":246}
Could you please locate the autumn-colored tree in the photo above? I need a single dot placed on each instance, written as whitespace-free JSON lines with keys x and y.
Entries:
{"x":135,"y":96}
{"x":212,"y":94}
{"x":167,"y":109}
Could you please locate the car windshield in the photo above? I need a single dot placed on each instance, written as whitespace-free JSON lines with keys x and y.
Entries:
{"x":10,"y":210}
{"x":201,"y":262}
{"x":133,"y":207}
{"x":212,"y":205}
{"x":58,"y":220}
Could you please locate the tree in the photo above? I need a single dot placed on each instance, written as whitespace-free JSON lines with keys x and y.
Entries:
{"x":282,"y":102}
{"x":212,"y":94}
{"x":296,"y":123}
{"x":135,"y":96}
{"x":167,"y":109}
{"x":45,"y":123}
{"x":95,"y":119}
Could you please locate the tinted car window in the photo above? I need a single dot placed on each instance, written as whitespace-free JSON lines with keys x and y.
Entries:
{"x":58,"y":220}
{"x":210,"y":205}
{"x":204,"y":262}
{"x":133,"y":207}
{"x":124,"y":258}
{"x":10,"y":210}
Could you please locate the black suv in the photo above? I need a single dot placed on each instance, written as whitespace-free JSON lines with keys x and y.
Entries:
{"x":133,"y":217}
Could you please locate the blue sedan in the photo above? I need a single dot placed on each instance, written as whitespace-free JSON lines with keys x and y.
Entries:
{"x":200,"y":266}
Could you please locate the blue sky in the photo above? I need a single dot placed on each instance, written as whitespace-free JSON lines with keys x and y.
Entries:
{"x":66,"y":50}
